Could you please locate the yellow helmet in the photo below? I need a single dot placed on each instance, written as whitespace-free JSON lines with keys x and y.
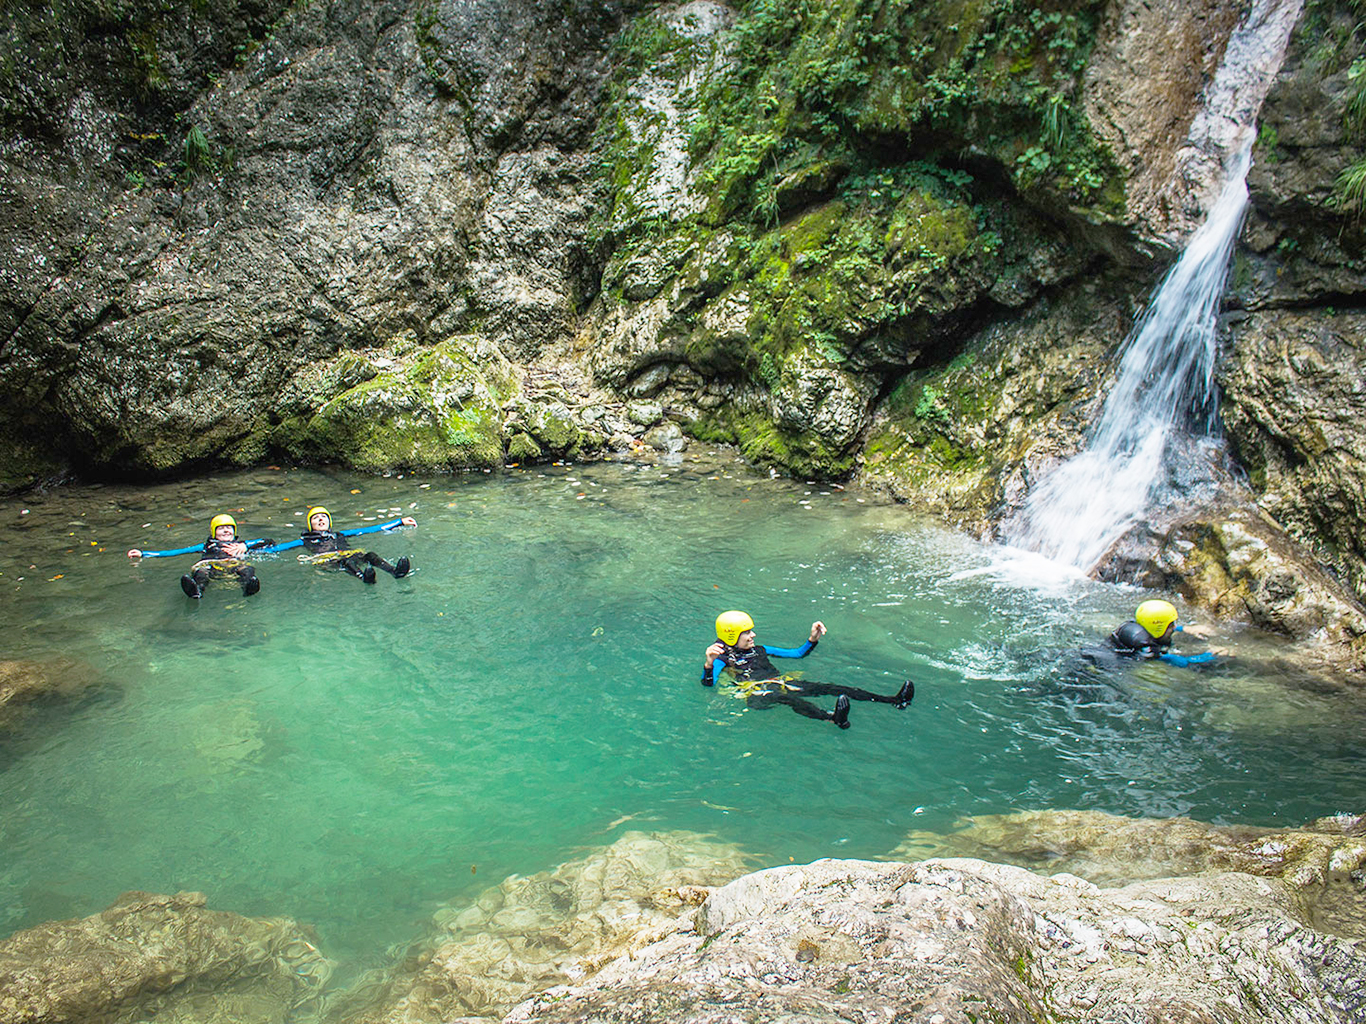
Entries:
{"x":729,"y":626}
{"x":1156,"y":617}
{"x":222,"y":519}
{"x":318,"y":510}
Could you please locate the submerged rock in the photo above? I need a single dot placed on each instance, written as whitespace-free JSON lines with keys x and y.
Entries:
{"x":24,"y":683}
{"x":957,"y":941}
{"x":166,"y":958}
{"x":530,"y":933}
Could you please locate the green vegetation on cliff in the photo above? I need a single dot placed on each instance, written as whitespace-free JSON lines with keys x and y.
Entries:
{"x":846,"y":164}
{"x":1332,"y":33}
{"x":1351,"y":184}
{"x":869,"y":82}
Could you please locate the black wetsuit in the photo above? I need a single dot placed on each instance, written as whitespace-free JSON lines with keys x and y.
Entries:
{"x":354,"y":561}
{"x":764,"y":686}
{"x":1132,"y":642}
{"x":219,"y":563}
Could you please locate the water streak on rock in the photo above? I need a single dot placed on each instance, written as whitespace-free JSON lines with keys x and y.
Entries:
{"x":1165,"y":385}
{"x":1164,"y":389}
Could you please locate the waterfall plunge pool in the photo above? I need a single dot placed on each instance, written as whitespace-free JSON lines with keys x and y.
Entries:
{"x":352,"y":755}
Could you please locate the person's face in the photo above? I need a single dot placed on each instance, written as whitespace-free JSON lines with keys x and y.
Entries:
{"x":224,"y":532}
{"x":320,"y":522}
{"x":745,"y":641}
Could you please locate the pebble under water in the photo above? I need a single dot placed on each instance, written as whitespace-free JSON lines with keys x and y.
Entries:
{"x":353,"y":755}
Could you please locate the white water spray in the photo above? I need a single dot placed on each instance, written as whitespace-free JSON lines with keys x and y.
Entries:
{"x":1165,"y":385}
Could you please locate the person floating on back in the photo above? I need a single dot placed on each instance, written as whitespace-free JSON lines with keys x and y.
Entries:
{"x":1150,"y":634}
{"x":763,"y":686}
{"x":222,"y":560}
{"x":326,"y":549}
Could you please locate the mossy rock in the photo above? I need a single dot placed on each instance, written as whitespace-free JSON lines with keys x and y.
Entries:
{"x":767,"y":443}
{"x":553,"y":426}
{"x":441,"y":409}
{"x":523,"y":448}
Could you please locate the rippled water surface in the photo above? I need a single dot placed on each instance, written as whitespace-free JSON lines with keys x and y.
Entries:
{"x":350,"y":755}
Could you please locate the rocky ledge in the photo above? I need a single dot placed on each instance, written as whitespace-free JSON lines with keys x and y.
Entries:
{"x":960,"y":941}
{"x":1259,"y":925}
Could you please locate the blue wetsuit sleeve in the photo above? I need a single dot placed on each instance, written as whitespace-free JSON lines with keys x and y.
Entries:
{"x":370,"y":529}
{"x":711,"y":675}
{"x":792,"y":652}
{"x":1189,"y":659}
{"x":177,"y":551}
{"x":285,"y":545}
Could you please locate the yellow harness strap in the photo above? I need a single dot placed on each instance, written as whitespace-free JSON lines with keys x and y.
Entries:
{"x":328,"y":557}
{"x":751,"y":687}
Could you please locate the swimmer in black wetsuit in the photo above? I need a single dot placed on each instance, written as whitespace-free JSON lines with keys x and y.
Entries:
{"x":325,"y":549}
{"x":222,"y":559}
{"x":1149,"y":636}
{"x":763,"y":686}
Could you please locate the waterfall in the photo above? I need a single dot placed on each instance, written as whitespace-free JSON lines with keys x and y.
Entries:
{"x":1164,"y":388}
{"x":1165,"y":385}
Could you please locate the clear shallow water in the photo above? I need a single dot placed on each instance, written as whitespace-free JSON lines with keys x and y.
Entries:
{"x":351,"y":755}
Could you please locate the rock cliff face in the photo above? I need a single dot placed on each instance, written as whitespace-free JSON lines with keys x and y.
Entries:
{"x":898,"y":240}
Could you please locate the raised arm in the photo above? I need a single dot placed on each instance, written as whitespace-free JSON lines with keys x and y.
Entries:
{"x":817,"y":631}
{"x":139,"y":553}
{"x":712,"y":664}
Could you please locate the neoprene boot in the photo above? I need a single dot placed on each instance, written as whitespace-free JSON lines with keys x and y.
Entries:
{"x":402,"y":567}
{"x":369,"y":574}
{"x":191,"y":587}
{"x":250,"y":585}
{"x":905,"y":695}
{"x":840,"y":716}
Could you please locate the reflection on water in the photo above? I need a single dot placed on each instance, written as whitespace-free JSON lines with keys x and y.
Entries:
{"x":355,"y":755}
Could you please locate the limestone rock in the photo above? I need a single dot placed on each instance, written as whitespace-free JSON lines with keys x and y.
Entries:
{"x":431,"y":408}
{"x":1109,"y":850}
{"x":1242,"y":567}
{"x":1294,"y":391}
{"x":1303,"y":245}
{"x":666,"y":438}
{"x":528,"y":934}
{"x":961,"y":440}
{"x":955,"y":941}
{"x":162,"y":957}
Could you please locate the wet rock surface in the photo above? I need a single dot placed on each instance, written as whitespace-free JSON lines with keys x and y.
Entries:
{"x":964,"y":940}
{"x":159,"y":957}
{"x":1243,"y":567}
{"x":1137,"y":921}
{"x":1295,"y":387}
{"x":530,"y":933}
{"x":1323,"y":863}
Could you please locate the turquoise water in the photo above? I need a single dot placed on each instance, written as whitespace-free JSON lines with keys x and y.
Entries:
{"x":351,"y":755}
